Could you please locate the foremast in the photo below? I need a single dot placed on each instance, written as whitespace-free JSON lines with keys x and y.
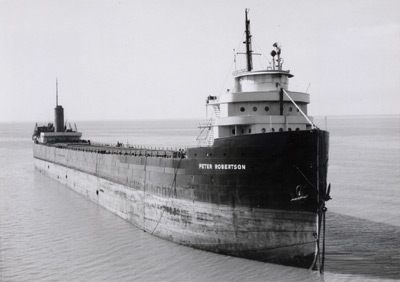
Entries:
{"x":249,"y":51}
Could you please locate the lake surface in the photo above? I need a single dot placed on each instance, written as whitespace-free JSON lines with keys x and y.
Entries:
{"x":50,"y":233}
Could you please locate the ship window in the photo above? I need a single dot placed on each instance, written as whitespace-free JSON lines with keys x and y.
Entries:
{"x":249,"y":130}
{"x":242,"y":109}
{"x":272,"y":129}
{"x":298,"y":110}
{"x":290,"y":109}
{"x":263,"y":130}
{"x":233,"y":131}
{"x":281,"y":129}
{"x":266,"y":109}
{"x":255,"y":109}
{"x":297,"y":129}
{"x":290,"y":129}
{"x":242,"y":131}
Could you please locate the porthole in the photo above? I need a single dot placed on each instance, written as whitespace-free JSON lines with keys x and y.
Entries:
{"x":289,"y":129}
{"x":281,"y":129}
{"x":266,"y":109}
{"x":290,"y":109}
{"x":254,"y":109}
{"x":272,"y":129}
{"x":297,"y":129}
{"x":263,"y":130}
{"x":298,"y":110}
{"x":242,"y":109}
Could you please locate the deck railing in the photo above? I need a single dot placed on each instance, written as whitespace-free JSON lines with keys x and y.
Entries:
{"x":124,"y":149}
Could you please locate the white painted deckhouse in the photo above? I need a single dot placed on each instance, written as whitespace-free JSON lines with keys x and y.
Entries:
{"x":260,"y":101}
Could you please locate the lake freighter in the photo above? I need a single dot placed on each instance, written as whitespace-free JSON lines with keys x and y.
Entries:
{"x":256,"y":188}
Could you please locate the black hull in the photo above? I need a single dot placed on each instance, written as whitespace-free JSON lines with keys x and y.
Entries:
{"x":275,"y":164}
{"x":252,"y":196}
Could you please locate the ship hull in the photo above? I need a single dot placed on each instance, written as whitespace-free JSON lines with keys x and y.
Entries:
{"x":240,"y":197}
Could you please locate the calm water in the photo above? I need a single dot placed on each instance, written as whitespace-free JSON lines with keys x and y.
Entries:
{"x":49,"y":233}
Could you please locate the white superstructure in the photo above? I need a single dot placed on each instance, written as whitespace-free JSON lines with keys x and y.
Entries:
{"x":258,"y":104}
{"x":260,"y":101}
{"x":55,"y":137}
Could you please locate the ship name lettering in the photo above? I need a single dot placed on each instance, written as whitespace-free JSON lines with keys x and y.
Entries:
{"x":205,"y":166}
{"x":223,"y":166}
{"x":230,"y":166}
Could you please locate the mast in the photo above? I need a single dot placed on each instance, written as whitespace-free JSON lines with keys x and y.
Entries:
{"x":248,"y":44}
{"x":56,"y":92}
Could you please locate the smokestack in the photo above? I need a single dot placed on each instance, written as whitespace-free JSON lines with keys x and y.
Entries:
{"x":58,"y":114}
{"x":59,"y":118}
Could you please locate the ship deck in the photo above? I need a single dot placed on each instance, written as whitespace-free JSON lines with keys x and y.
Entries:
{"x":103,"y":148}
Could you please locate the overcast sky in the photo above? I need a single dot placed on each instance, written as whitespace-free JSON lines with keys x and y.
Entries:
{"x":118,"y":60}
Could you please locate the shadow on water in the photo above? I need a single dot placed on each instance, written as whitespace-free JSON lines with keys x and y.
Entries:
{"x":358,"y":246}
